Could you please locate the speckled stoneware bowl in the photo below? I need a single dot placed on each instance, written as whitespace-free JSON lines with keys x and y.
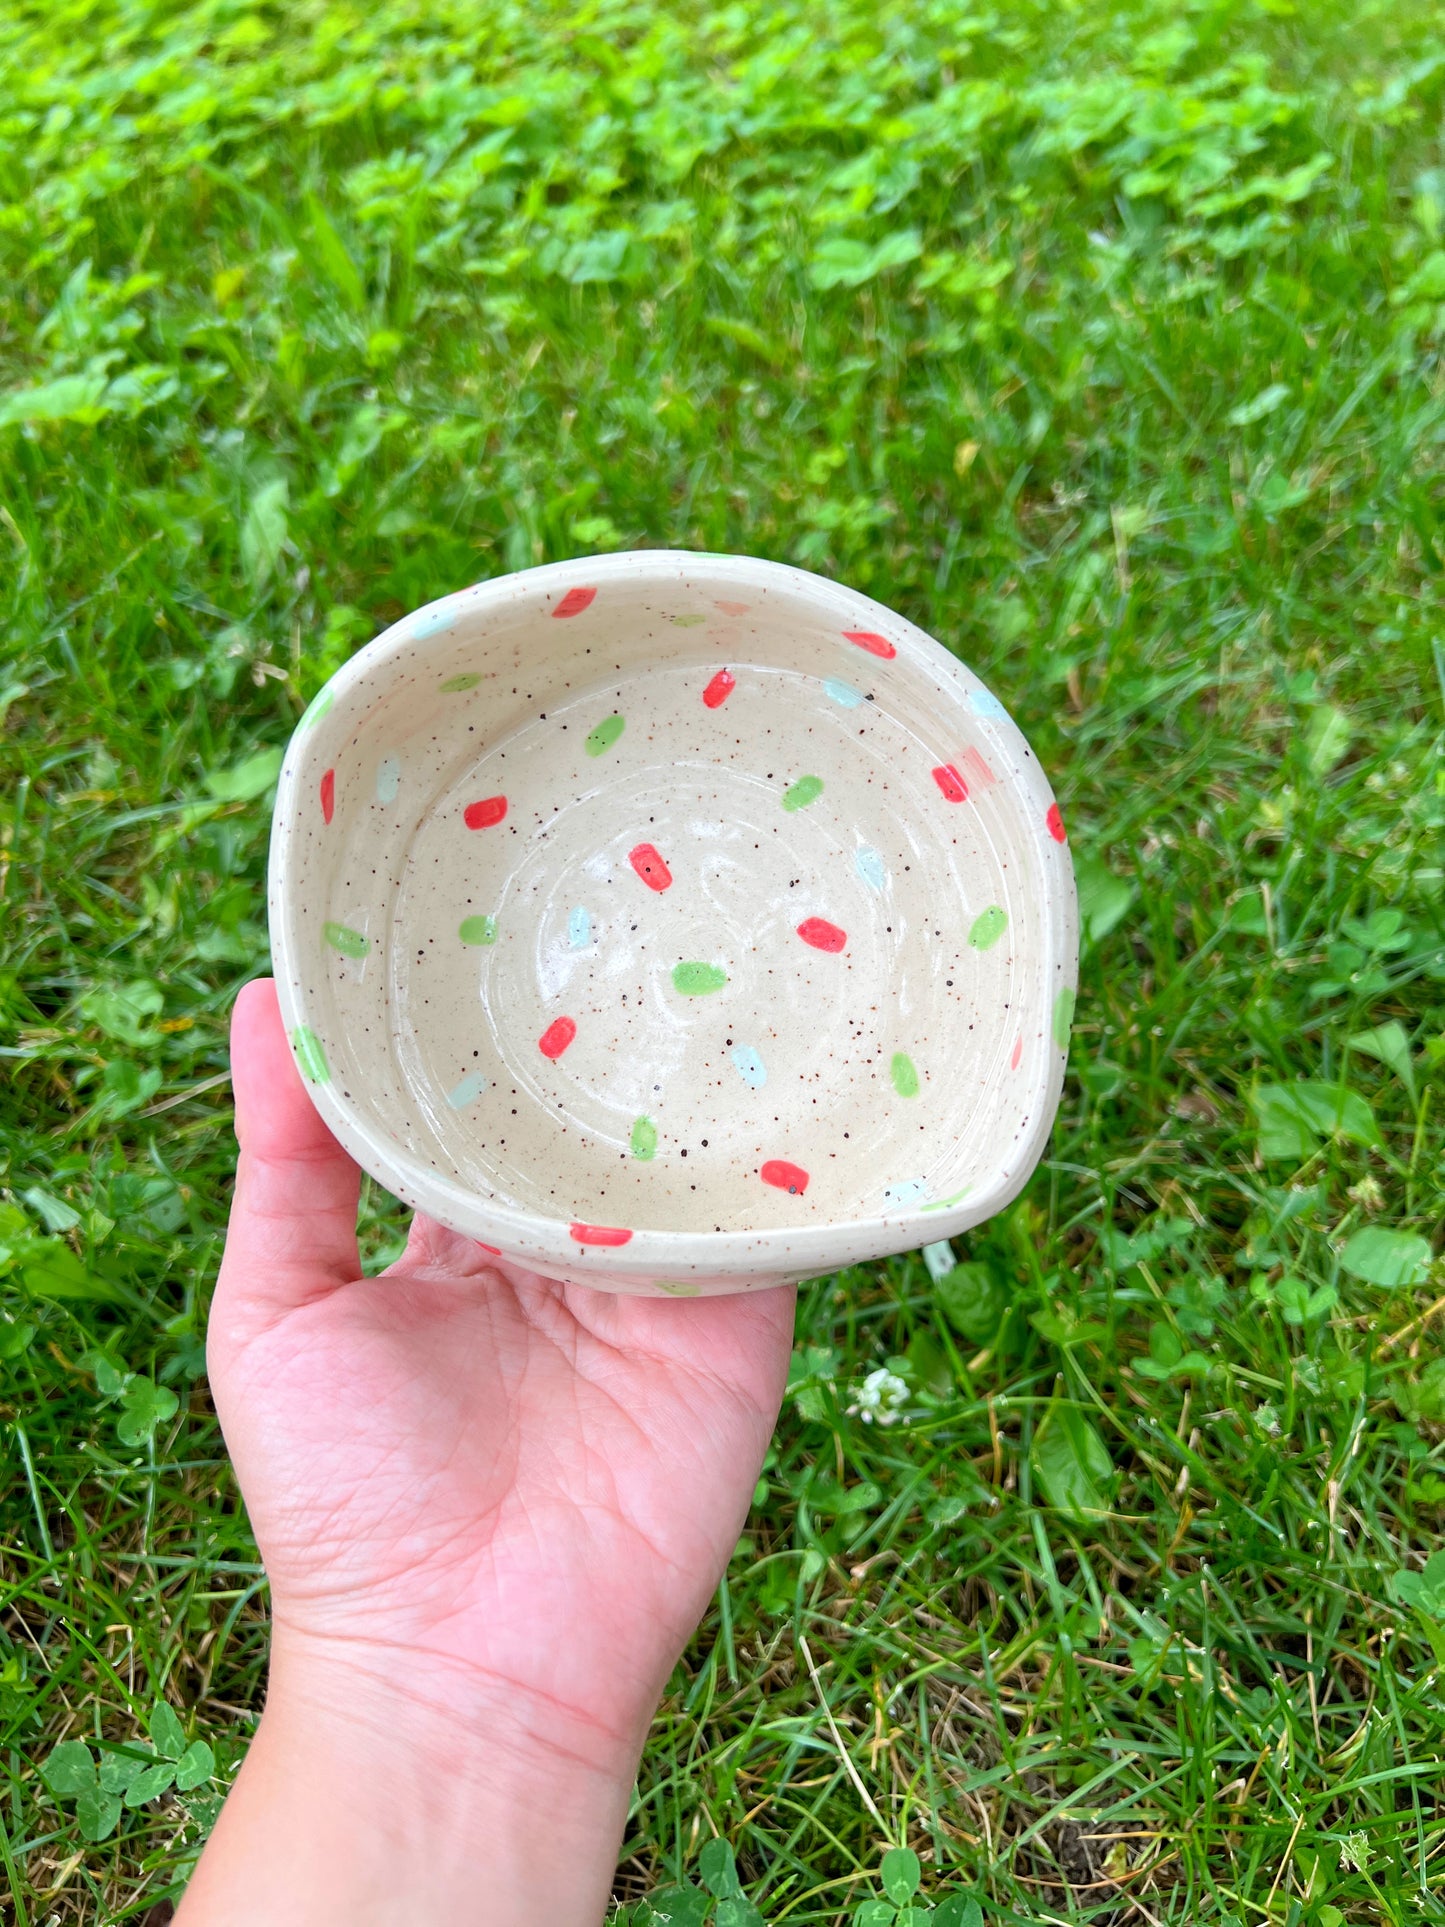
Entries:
{"x":674,"y":923}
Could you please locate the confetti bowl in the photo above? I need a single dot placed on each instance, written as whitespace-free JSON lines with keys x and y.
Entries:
{"x":674,"y":923}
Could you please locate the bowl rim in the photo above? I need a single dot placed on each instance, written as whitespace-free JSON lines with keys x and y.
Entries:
{"x":797,"y":1251}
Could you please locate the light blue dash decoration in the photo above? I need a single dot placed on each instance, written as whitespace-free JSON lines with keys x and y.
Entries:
{"x":869,"y":866}
{"x":388,"y":779}
{"x":843,"y":693}
{"x":908,"y":1191}
{"x":579,"y":929}
{"x":467,"y":1092}
{"x":983,"y":702}
{"x":429,"y":621}
{"x":750,"y":1067}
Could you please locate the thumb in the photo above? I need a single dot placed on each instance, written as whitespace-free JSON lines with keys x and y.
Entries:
{"x":292,"y":1235}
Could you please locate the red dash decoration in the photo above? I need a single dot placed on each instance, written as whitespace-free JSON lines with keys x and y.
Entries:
{"x":976,"y":769}
{"x":495,"y":1250}
{"x":575,"y":601}
{"x":1055,"y":821}
{"x":650,"y":867}
{"x":719,"y":689}
{"x":733,"y":608}
{"x":556,"y":1037}
{"x":481,"y":816}
{"x":784,"y":1176}
{"x":600,"y":1234}
{"x":328,"y":795}
{"x":1018,"y":1056}
{"x":951,"y":783}
{"x":875,"y":645}
{"x":821,"y":934}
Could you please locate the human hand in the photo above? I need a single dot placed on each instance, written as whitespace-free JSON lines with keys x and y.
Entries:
{"x":491,"y":1508}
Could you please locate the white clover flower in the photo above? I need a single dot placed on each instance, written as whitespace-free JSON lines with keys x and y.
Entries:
{"x":880,"y":1398}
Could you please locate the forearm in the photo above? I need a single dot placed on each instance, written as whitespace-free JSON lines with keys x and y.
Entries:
{"x":358,"y":1806}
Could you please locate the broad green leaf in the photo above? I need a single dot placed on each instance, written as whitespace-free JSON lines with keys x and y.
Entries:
{"x":735,"y":1911}
{"x":843,"y":263}
{"x":681,"y":1907}
{"x":1165,"y":1351}
{"x":70,"y":398}
{"x":746,"y":336}
{"x":247,"y":779}
{"x":144,"y":1406}
{"x":608,"y":255}
{"x":195,"y":1766}
{"x":124,"y":1012}
{"x":150,"y":1783}
{"x":972,"y":1300}
{"x":1327,"y":737}
{"x":1260,"y":405}
{"x":1395,"y":1260}
{"x":119,"y":1770}
{"x":957,"y":1911}
{"x":718,"y":1870}
{"x":1072,"y":1463}
{"x":830,"y":1499}
{"x":263,"y":533}
{"x":110,"y":1379}
{"x":57,"y":1214}
{"x":167,"y":1734}
{"x":1425,"y":1397}
{"x":334,"y":257}
{"x":1390,"y":1046}
{"x":1427,"y":283}
{"x":97,"y":1814}
{"x":1295,"y":1118}
{"x":900,"y":1874}
{"x":1103,"y":1078}
{"x":53,"y":1271}
{"x":69,"y":1771}
{"x":125,"y":1087}
{"x":874,"y":1913}
{"x":1425,"y":1591}
{"x":1383,"y":931}
{"x":1104,"y":899}
{"x":15,"y":1339}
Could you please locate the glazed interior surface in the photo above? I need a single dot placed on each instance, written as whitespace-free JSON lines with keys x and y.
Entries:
{"x":670,"y":914}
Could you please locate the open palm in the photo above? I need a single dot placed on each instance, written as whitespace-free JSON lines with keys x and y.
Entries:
{"x":497,"y":1488}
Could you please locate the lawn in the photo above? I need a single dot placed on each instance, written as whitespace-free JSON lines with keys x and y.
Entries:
{"x":1103,"y":340}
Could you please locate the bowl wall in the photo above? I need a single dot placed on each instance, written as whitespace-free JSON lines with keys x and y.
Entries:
{"x":674,"y":922}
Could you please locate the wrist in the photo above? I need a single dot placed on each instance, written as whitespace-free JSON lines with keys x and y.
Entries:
{"x":368,"y":1799}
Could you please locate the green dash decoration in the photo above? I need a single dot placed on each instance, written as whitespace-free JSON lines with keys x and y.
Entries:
{"x":644,"y":1139}
{"x":806,"y":790}
{"x":605,"y":735}
{"x":905,"y":1074}
{"x":349,"y":942}
{"x":698,"y":979}
{"x":988,"y":926}
{"x":1063,"y":1016}
{"x":309,"y":1054}
{"x":478,"y":930}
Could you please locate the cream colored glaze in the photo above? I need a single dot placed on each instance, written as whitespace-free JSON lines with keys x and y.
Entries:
{"x":548,"y":1071}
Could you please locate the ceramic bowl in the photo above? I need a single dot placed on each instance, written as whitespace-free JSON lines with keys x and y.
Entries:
{"x":674,"y":923}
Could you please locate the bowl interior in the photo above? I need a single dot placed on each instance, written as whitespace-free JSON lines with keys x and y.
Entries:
{"x":688,"y":899}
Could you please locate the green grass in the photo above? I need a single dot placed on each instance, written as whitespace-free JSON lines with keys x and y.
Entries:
{"x":1104,"y":341}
